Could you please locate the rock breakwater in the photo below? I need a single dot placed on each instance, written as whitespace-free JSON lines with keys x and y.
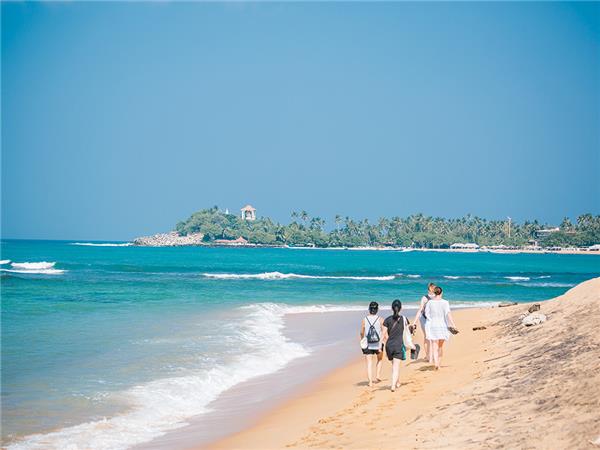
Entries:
{"x":172,"y":239}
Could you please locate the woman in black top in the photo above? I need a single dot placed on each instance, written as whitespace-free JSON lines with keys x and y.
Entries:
{"x":394,"y":346}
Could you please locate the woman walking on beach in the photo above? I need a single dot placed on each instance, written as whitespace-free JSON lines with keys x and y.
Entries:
{"x":371,"y":335}
{"x":438,"y":325}
{"x":420,"y":317}
{"x":394,"y":345}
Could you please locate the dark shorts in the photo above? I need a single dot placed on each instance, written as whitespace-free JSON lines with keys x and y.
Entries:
{"x":369,"y":351}
{"x":396,"y":351}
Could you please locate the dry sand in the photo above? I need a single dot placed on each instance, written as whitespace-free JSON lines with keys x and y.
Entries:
{"x":507,"y":386}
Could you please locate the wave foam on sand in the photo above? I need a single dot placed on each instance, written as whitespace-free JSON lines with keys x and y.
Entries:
{"x":166,"y":404}
{"x":290,"y":276}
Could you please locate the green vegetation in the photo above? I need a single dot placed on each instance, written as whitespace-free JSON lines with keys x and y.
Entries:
{"x":416,"y":230}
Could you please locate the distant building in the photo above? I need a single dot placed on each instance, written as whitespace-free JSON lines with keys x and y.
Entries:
{"x":543,"y":234}
{"x":248,"y":213}
{"x":467,"y":246}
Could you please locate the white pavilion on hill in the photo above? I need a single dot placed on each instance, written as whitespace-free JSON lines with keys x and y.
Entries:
{"x":248,"y":213}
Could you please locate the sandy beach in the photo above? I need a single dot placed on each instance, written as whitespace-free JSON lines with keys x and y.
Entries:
{"x":507,"y":386}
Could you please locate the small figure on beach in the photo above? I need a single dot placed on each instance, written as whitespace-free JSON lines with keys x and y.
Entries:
{"x":371,"y":335}
{"x":395,"y":348}
{"x":438,"y":325}
{"x":420,"y":317}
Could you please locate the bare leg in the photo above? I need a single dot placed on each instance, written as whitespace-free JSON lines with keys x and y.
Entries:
{"x":431,"y":351}
{"x":426,"y":343}
{"x":441,"y":350}
{"x":369,"y":368}
{"x":395,"y":373}
{"x":436,"y":353}
{"x":379,"y":365}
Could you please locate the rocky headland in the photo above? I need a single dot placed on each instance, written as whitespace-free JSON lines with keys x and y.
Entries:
{"x":171,"y":239}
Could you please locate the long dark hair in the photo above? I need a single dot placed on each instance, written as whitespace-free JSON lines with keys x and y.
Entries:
{"x":396,"y":307}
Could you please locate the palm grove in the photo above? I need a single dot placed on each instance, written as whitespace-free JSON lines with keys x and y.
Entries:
{"x":415,"y":230}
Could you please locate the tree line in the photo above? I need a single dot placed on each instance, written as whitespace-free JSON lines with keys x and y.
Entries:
{"x":416,"y":230}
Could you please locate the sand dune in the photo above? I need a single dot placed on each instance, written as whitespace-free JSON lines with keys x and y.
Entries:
{"x":508,"y":386}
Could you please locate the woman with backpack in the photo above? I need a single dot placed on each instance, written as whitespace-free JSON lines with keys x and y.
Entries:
{"x":371,"y":341}
{"x":395,"y":347}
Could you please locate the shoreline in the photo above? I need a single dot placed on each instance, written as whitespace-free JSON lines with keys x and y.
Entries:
{"x":541,"y":251}
{"x":502,"y":383}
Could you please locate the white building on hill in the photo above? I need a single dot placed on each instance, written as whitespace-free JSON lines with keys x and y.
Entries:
{"x":248,"y":213}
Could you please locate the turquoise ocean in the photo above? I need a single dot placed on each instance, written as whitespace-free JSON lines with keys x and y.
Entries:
{"x":108,"y":346}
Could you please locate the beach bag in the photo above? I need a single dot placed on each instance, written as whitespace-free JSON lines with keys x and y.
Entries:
{"x":372,"y":335}
{"x":364,"y":344}
{"x":406,"y":336}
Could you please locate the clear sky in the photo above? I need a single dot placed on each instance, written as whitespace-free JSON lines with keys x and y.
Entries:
{"x":119,"y":119}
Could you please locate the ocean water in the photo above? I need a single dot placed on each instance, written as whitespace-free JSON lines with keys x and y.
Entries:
{"x":108,"y":346}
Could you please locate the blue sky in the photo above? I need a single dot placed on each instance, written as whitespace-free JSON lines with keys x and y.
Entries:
{"x":119,"y":119}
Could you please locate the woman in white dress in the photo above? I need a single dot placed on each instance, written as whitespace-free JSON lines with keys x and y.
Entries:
{"x":437,"y":325}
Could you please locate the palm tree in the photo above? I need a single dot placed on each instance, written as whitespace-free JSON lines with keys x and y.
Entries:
{"x":338,"y":220}
{"x":304,"y":216}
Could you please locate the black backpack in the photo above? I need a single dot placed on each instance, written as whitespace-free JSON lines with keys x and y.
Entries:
{"x":372,"y":335}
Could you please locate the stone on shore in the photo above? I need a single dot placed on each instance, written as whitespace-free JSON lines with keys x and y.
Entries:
{"x":533,"y":319}
{"x":172,"y":239}
{"x":505,"y":304}
{"x":534,"y":308}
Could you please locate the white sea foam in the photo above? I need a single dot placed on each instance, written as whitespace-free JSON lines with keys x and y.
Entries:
{"x":544,"y":276}
{"x":36,"y":271}
{"x":4,"y":261}
{"x":289,"y":276}
{"x":279,"y":308}
{"x":547,"y":284}
{"x":166,"y":404}
{"x":108,"y":244}
{"x":458,"y":277}
{"x":518,"y":278}
{"x":283,"y":309}
{"x":33,"y":265}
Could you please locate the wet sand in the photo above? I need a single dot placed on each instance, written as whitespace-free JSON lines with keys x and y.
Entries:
{"x":332,"y":339}
{"x":508,"y":386}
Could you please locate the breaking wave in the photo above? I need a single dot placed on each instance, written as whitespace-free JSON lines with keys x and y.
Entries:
{"x":43,"y":268}
{"x":36,"y":271}
{"x":458,"y":277}
{"x":518,"y":278}
{"x":291,"y":276}
{"x":33,"y":265}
